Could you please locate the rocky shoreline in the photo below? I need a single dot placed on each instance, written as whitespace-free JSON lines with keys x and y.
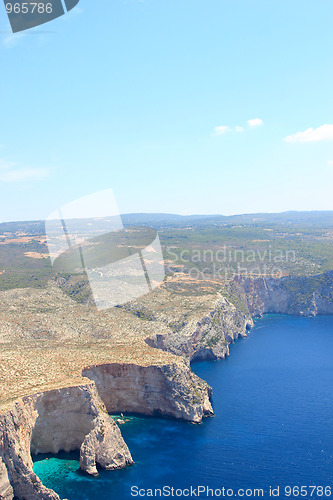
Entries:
{"x":208,"y":338}
{"x":64,"y":419}
{"x":76,"y":416}
{"x":232,"y":315}
{"x":297,"y":296}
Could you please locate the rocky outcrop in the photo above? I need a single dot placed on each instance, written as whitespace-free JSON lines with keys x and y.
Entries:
{"x":6,"y":490}
{"x":295,"y":295}
{"x":170,"y":390}
{"x":63,"y":419}
{"x":77,"y":417}
{"x":231,"y":315}
{"x":208,"y":338}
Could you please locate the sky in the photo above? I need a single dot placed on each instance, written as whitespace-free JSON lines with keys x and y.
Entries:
{"x":178,"y":106}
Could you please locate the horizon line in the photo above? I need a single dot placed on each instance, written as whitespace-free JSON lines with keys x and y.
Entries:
{"x":177,"y":215}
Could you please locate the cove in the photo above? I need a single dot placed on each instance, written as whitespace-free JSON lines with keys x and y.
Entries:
{"x":273,"y":426}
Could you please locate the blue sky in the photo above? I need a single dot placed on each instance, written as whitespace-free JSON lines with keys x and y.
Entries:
{"x":156,"y":100}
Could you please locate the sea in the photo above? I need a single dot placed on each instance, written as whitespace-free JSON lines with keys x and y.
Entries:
{"x":272,"y":434}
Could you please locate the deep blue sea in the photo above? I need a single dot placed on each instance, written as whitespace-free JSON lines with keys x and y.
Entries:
{"x":273,"y":400}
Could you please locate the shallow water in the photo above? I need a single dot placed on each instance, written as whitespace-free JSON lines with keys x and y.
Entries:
{"x":273,"y":426}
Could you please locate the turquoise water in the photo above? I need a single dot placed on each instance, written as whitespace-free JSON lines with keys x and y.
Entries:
{"x":273,"y":401}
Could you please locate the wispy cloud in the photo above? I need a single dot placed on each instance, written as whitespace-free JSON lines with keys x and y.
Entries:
{"x":12,"y":40}
{"x":221,"y":129}
{"x":14,"y":172}
{"x":255,"y":122}
{"x":330,"y":162}
{"x":323,"y":133}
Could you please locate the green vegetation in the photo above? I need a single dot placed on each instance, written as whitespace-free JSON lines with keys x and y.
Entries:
{"x":211,"y":248}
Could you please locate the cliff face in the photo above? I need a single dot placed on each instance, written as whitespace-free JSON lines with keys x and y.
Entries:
{"x":150,"y":382}
{"x":208,"y":338}
{"x":300,"y":295}
{"x":170,"y":390}
{"x":63,"y":419}
{"x":76,"y":418}
{"x":6,"y":490}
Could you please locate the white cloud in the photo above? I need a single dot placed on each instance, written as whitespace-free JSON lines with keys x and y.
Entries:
{"x":329,"y":162}
{"x":221,"y":129}
{"x":13,"y":39}
{"x":323,"y":133}
{"x":13,"y":172}
{"x":255,"y":122}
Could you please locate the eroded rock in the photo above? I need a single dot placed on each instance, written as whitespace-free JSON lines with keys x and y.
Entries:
{"x":170,"y":390}
{"x":63,"y":419}
{"x":208,"y":338}
{"x":6,"y":490}
{"x":295,"y":295}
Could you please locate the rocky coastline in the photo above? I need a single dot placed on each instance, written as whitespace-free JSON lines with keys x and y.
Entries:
{"x":210,"y":336}
{"x":76,"y":417}
{"x":64,"y":419}
{"x":294,"y":295}
{"x":245,"y":299}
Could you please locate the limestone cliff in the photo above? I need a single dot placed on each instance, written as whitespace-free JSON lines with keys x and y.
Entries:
{"x":6,"y":490}
{"x":295,"y":295}
{"x":210,"y":336}
{"x":63,"y":419}
{"x":194,"y":325}
{"x":77,"y":417}
{"x":170,"y":390}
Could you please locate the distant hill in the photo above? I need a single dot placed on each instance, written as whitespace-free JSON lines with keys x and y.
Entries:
{"x":157,"y":220}
{"x":322,"y":218}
